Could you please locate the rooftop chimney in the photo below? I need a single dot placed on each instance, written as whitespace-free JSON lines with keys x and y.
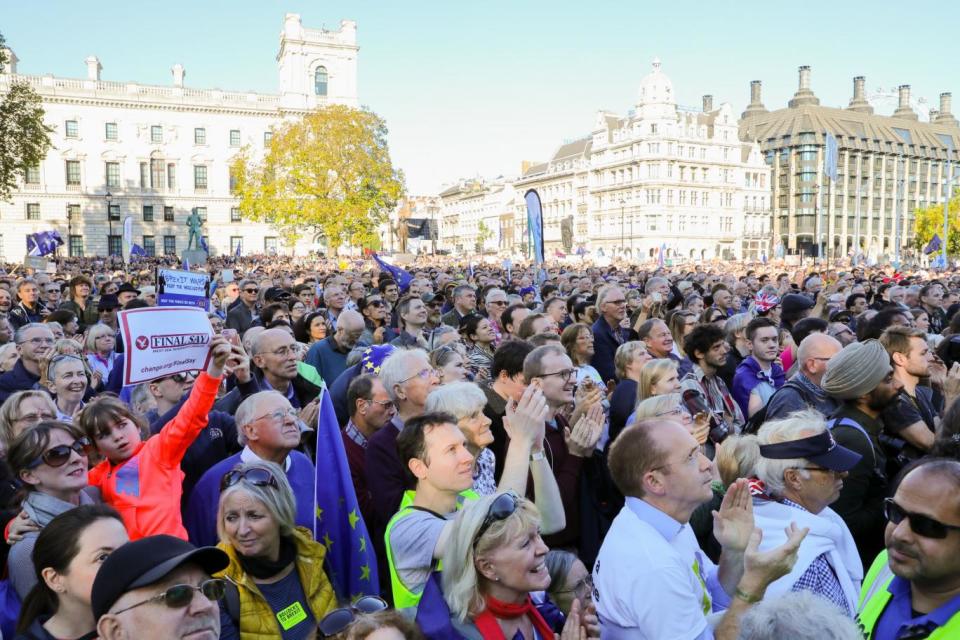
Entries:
{"x":804,"y":95}
{"x":756,"y":105}
{"x":903,"y":110}
{"x":945,"y":116}
{"x":707,"y":103}
{"x":859,"y":100}
{"x":93,"y":67}
{"x":10,"y":67}
{"x":178,"y":74}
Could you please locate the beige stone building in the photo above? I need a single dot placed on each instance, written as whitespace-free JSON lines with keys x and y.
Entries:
{"x":888,"y":166}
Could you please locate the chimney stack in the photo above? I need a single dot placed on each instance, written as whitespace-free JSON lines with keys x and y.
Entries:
{"x":804,"y":95}
{"x":10,"y":67}
{"x":178,"y":74}
{"x":707,"y":103}
{"x":903,"y":110}
{"x":756,"y":104}
{"x":945,"y":116}
{"x":93,"y":68}
{"x":859,"y":100}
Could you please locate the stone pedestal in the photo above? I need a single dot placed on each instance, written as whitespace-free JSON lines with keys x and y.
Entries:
{"x":196,"y":257}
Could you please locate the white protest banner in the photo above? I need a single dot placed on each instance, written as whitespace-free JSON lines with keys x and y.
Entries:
{"x":162,"y":341}
{"x":182,"y":289}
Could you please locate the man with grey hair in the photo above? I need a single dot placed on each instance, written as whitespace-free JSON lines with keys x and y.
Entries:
{"x":608,"y":332}
{"x":267,"y":429}
{"x":329,"y":356}
{"x":464,"y":303}
{"x":798,"y":616}
{"x":802,"y":469}
{"x":803,"y":389}
{"x":241,"y":316}
{"x":34,"y":341}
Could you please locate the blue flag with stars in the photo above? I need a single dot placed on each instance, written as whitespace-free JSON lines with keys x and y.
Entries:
{"x":351,"y":562}
{"x":401,"y":276}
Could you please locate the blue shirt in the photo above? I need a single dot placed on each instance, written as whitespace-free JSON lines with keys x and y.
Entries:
{"x":898,"y":613}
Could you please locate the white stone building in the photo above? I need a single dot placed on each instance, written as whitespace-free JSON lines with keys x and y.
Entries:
{"x":158,"y":152}
{"x":479,"y":217}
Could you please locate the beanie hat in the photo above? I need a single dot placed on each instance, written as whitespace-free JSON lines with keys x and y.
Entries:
{"x":794,"y":303}
{"x":856,"y":370}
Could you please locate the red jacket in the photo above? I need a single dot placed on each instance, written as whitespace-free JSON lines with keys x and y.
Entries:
{"x":146,"y":488}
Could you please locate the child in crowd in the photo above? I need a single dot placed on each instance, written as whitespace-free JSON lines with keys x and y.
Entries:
{"x":143,"y":480}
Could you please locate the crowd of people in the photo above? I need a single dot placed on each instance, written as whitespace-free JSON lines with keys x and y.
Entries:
{"x":723,"y":451}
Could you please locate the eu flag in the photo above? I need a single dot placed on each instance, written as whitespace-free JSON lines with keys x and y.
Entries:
{"x":43,"y":243}
{"x":351,"y":562}
{"x":137,"y":250}
{"x":402,"y":276}
{"x":933,"y":245}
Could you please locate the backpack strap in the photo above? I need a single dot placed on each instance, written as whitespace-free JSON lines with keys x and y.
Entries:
{"x":231,"y":601}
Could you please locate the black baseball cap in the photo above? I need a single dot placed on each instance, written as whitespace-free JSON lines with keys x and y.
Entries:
{"x":276,"y":293}
{"x":145,"y":561}
{"x":820,"y":449}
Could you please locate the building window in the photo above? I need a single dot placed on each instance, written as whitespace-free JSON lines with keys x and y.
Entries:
{"x":156,"y":174}
{"x":199,"y":177}
{"x":150,"y":246}
{"x":320,"y":81}
{"x":235,"y":243}
{"x":73,"y":212}
{"x":168,"y":214}
{"x":72,"y":129}
{"x":234,"y":137}
{"x":75,"y":246}
{"x":171,"y":176}
{"x":115,"y":212}
{"x":148,"y":213}
{"x":267,"y":137}
{"x":235,"y":214}
{"x":169,"y":245}
{"x":270,"y":245}
{"x":202,"y":212}
{"x":73,"y":173}
{"x":32,"y":175}
{"x":144,"y":175}
{"x":199,"y":136}
{"x":113,"y":174}
{"x":113,"y":245}
{"x":33,"y":211}
{"x":110,"y":131}
{"x":156,"y":134}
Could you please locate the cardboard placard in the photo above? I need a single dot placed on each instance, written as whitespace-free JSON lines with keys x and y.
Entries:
{"x":162,"y":341}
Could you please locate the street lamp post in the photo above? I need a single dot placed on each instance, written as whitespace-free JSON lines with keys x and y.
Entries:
{"x":622,"y":208}
{"x":947,"y":192}
{"x":109,"y":198}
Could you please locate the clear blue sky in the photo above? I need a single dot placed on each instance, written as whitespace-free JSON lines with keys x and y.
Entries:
{"x":473,"y":88}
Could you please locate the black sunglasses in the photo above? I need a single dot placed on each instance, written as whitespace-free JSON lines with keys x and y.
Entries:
{"x":921,"y":525}
{"x":339,"y":619}
{"x":375,"y":303}
{"x":504,"y":506}
{"x":181,"y":595}
{"x":59,"y":455}
{"x":252,"y":290}
{"x":255,"y":476}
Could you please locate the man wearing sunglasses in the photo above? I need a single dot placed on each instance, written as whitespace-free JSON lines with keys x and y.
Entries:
{"x":159,"y":587}
{"x":242,"y":316}
{"x":911,"y":591}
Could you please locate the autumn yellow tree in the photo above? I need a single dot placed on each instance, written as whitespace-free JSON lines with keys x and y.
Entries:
{"x":329,"y":172}
{"x":929,"y":221}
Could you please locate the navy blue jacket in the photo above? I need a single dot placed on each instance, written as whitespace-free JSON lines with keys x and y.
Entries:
{"x":17,"y":379}
{"x":605,"y":344}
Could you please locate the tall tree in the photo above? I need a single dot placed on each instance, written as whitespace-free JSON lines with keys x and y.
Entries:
{"x":929,"y":221}
{"x":24,"y":138}
{"x":329,"y":172}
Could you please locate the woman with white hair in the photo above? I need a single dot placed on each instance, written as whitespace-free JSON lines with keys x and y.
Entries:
{"x":493,"y":561}
{"x":802,"y":468}
{"x":524,"y":423}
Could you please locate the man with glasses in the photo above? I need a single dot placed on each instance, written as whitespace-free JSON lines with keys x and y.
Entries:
{"x":269,"y":430}
{"x":242,"y":316}
{"x":464,"y":303}
{"x":608,"y":334}
{"x":370,"y":410}
{"x":911,"y":589}
{"x":329,"y":356}
{"x":861,"y":378}
{"x":34,"y":342}
{"x":375,"y":320}
{"x":52,"y":295}
{"x":159,"y":587}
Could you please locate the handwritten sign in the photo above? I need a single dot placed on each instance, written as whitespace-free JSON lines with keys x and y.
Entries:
{"x":183,"y":289}
{"x":163,"y":341}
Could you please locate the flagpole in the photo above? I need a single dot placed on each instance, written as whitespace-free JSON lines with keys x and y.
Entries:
{"x":946,"y":203}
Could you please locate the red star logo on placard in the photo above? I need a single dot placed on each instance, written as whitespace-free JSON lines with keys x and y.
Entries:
{"x":142,"y":342}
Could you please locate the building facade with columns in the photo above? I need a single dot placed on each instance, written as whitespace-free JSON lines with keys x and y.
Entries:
{"x":156,"y":153}
{"x":661,"y":178}
{"x":478,"y":217}
{"x":887,"y":167}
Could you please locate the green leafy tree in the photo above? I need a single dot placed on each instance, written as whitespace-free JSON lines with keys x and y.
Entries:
{"x":329,"y":172}
{"x":24,"y":138}
{"x":484,"y":233}
{"x":929,"y":221}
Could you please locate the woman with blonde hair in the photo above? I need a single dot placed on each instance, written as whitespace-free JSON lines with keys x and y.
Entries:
{"x":658,"y":377}
{"x":22,"y":410}
{"x":493,"y":560}
{"x":627,"y":361}
{"x":101,"y":340}
{"x":681,"y":323}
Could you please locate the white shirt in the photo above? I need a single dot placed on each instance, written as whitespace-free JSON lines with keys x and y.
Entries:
{"x":247,"y":456}
{"x":645,"y":586}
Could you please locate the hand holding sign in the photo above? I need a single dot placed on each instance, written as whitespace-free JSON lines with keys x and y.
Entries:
{"x":168,"y":340}
{"x":220,"y":351}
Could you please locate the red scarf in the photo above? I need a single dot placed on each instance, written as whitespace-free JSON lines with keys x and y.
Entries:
{"x":487,"y":621}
